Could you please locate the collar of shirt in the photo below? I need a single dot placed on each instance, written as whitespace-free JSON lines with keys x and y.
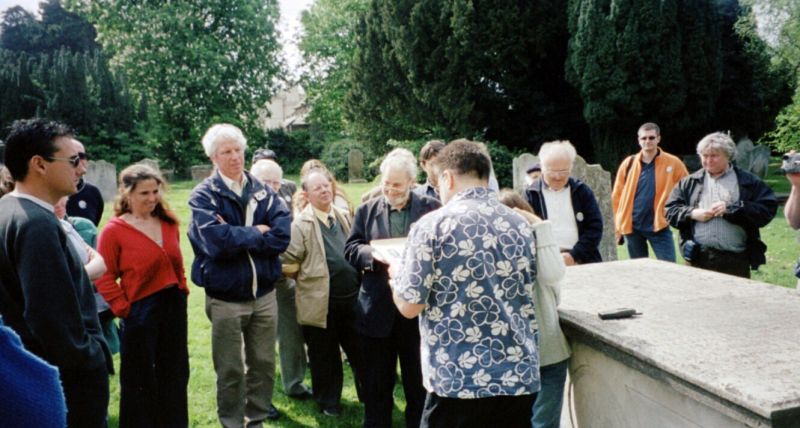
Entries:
{"x":322,"y":215}
{"x":232,"y":184}
{"x":477,"y":192}
{"x":33,"y":199}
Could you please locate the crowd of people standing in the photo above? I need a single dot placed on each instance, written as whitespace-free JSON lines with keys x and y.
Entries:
{"x":468,"y":311}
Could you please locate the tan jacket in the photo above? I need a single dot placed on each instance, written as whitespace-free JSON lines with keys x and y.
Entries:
{"x":313,"y":280}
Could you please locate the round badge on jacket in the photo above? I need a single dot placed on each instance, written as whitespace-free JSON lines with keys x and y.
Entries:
{"x":82,"y":204}
{"x":579,"y":216}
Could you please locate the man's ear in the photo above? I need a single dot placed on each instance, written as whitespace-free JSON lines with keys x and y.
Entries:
{"x":37,"y":165}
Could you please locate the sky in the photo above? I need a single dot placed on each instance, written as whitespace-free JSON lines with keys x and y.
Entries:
{"x":289,"y":24}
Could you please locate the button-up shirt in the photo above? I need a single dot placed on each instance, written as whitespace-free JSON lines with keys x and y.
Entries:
{"x":472,"y":263}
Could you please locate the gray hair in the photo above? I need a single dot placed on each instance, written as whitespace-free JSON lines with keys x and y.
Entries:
{"x":718,"y":141}
{"x":219,"y":133}
{"x":265,"y":166}
{"x":401,"y":159}
{"x":557,"y":149}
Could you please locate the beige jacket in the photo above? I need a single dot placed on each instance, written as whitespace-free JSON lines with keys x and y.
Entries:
{"x":307,"y":250}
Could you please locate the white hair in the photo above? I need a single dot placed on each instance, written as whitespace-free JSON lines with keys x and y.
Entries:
{"x":263,"y":167}
{"x":557,"y":150}
{"x":718,"y":141}
{"x":401,"y":159}
{"x":222,"y":132}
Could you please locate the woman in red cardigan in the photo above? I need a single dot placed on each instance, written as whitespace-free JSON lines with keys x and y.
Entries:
{"x":146,"y":287}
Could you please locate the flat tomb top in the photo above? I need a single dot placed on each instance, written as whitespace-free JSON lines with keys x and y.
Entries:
{"x":735,"y":338}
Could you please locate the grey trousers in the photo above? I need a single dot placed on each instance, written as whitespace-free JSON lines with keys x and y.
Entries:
{"x":291,"y":348}
{"x":243,"y":350}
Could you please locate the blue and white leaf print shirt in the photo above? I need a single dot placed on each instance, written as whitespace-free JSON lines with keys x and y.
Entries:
{"x":472,"y":263}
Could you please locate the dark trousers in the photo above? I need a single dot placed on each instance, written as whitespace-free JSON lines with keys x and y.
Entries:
{"x":324,"y":356}
{"x":380,"y":373}
{"x":502,"y":411}
{"x":86,"y":394}
{"x":737,"y":264}
{"x":154,"y":372}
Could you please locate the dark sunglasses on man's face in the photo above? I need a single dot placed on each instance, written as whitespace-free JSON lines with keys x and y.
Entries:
{"x":648,"y":137}
{"x":73,"y":160}
{"x":83,"y":156}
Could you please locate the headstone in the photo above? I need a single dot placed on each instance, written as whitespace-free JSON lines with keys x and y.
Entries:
{"x":692,"y":162}
{"x":599,"y":181}
{"x":743,"y":150}
{"x":759,"y":160}
{"x":596,"y":178}
{"x":103,"y":175}
{"x":200,"y":172}
{"x":355,"y":166}
{"x":520,"y":165}
{"x":152,"y":163}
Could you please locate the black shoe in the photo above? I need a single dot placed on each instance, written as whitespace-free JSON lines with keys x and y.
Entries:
{"x":305,"y":395}
{"x":272,"y":413}
{"x":332,"y":411}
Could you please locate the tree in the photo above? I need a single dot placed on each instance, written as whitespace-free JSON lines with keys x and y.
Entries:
{"x":328,"y":48}
{"x":478,"y":69}
{"x":196,"y":63}
{"x":20,"y":31}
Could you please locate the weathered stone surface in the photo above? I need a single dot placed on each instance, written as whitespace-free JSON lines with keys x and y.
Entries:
{"x":103,"y":175}
{"x":200,"y":172}
{"x":743,"y":149}
{"x":520,"y":164}
{"x":152,"y":163}
{"x":759,"y":160}
{"x":355,"y":166}
{"x":730,"y":344}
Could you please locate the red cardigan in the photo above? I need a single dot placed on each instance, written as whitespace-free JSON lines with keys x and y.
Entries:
{"x":142,"y":266}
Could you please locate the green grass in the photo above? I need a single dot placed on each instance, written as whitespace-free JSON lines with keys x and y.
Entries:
{"x":782,"y":252}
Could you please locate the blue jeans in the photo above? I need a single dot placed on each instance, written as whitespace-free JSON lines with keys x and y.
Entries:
{"x":550,"y":399}
{"x":661,"y":241}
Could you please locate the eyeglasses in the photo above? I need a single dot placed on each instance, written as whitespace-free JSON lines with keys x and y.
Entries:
{"x":83,"y":156}
{"x":73,"y":160}
{"x":648,"y":137}
{"x":559,"y":173}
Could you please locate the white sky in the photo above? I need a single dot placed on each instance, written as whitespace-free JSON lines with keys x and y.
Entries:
{"x":289,"y":24}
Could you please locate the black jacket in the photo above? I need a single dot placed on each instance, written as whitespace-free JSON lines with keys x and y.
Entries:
{"x":376,"y":310}
{"x":755,"y":208}
{"x":587,"y":216}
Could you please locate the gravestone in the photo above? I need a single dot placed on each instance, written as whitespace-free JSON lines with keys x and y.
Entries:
{"x":743,"y":150}
{"x":355,"y":166}
{"x":200,"y":172}
{"x":103,"y":175}
{"x":596,"y":178}
{"x":759,"y":160}
{"x":520,"y":165}
{"x":152,"y":163}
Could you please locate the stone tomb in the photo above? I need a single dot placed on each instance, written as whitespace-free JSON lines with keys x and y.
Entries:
{"x":708,"y":350}
{"x":200,"y":172}
{"x":103,"y":175}
{"x":596,"y":178}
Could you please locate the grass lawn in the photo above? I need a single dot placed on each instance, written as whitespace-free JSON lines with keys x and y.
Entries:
{"x":781,"y":240}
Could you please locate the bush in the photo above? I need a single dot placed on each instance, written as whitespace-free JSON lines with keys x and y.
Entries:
{"x":294,"y":148}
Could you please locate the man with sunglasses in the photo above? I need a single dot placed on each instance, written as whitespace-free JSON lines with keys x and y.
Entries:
{"x":88,"y":202}
{"x":643,"y":184}
{"x":45,"y":294}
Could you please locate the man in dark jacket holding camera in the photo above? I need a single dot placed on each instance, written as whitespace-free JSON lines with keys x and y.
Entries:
{"x":238,"y":229}
{"x":719,"y":210}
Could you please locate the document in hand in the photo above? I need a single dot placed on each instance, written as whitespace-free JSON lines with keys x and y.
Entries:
{"x":390,"y":250}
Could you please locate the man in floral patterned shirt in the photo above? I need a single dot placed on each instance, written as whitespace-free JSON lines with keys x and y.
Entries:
{"x":469,"y":271}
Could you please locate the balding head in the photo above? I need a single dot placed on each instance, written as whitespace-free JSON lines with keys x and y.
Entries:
{"x":268,"y":172}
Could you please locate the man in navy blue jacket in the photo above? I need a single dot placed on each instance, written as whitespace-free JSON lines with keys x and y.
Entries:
{"x":238,"y":229}
{"x":569,"y":203}
{"x":385,"y":334}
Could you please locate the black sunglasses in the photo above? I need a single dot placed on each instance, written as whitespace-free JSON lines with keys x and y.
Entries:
{"x":73,"y":160}
{"x":649,"y":137}
{"x":83,"y":156}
